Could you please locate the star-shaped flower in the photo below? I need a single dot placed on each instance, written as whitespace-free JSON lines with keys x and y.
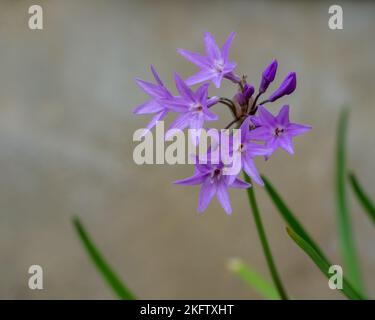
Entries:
{"x":154,"y":106}
{"x":215,"y":65}
{"x":192,"y":106}
{"x":277,"y":132}
{"x":213,"y":181}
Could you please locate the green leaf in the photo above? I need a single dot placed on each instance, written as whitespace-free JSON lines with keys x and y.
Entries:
{"x":110,"y":277}
{"x":323,"y":264}
{"x":253,"y":279}
{"x":363,"y":198}
{"x":348,"y":251}
{"x":263,"y":239}
{"x":288,"y":216}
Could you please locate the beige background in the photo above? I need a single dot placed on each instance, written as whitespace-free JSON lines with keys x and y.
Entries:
{"x":66,"y":95}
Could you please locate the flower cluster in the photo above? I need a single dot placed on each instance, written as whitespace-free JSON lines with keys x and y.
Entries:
{"x":261,"y":133}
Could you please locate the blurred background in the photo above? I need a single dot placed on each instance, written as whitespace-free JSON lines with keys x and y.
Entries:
{"x":66,"y":127}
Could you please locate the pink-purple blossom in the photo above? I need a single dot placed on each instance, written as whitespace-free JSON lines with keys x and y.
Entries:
{"x":191,"y":106}
{"x":213,"y":182}
{"x":277,"y":131}
{"x":154,"y":105}
{"x":215,"y":65}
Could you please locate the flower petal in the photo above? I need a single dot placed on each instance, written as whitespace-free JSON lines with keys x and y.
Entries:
{"x":196,"y":121}
{"x":266,"y":117}
{"x":239,"y":184}
{"x":260,"y":133}
{"x":286,"y":143}
{"x":151,"y":89}
{"x":181,"y":122}
{"x":212,"y":50}
{"x":177,"y":104}
{"x":283,"y":116}
{"x":245,"y":129}
{"x":156,"y":76}
{"x":229,"y":67}
{"x":216,"y":80}
{"x":295,"y":129}
{"x":206,"y":194}
{"x":183,"y":89}
{"x":223,"y":197}
{"x":201,"y":93}
{"x":196,"y":58}
{"x":193,"y":180}
{"x":255,"y":149}
{"x":226,"y":46}
{"x":209,"y":116}
{"x":159,"y":116}
{"x":149,"y":107}
{"x":201,"y":76}
{"x":251,"y":170}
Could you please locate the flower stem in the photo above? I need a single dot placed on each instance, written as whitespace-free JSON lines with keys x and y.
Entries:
{"x":263,"y":239}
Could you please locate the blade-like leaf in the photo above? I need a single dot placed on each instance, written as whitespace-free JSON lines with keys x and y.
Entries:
{"x":323,"y":264}
{"x":263,"y":239}
{"x":253,"y":279}
{"x":363,"y":198}
{"x":110,"y":277}
{"x":348,"y":251}
{"x":288,"y":216}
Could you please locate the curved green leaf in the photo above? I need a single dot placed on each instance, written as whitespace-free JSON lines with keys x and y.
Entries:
{"x":288,"y":216}
{"x":109,"y":276}
{"x":323,"y":264}
{"x":363,"y":198}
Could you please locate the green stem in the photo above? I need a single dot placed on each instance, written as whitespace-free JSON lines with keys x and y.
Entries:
{"x":263,"y":239}
{"x":345,"y":229}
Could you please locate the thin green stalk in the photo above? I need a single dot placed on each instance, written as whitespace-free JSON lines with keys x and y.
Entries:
{"x":110,"y":277}
{"x":263,"y":239}
{"x":349,"y":254}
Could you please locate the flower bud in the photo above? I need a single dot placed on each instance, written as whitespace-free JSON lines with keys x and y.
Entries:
{"x":243,"y":97}
{"x":287,"y":87}
{"x":268,"y":76}
{"x":248,"y":91}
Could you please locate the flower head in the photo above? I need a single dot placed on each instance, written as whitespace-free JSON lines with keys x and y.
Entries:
{"x":192,"y":106}
{"x":215,"y":65}
{"x":213,"y":182}
{"x":278,"y":131}
{"x":154,"y":105}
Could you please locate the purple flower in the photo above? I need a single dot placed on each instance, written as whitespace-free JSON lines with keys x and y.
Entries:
{"x":287,"y":87}
{"x":277,"y":131}
{"x":215,"y":65}
{"x":213,"y":181}
{"x":245,"y":151}
{"x":268,"y":76}
{"x":153,"y":106}
{"x":192,"y":106}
